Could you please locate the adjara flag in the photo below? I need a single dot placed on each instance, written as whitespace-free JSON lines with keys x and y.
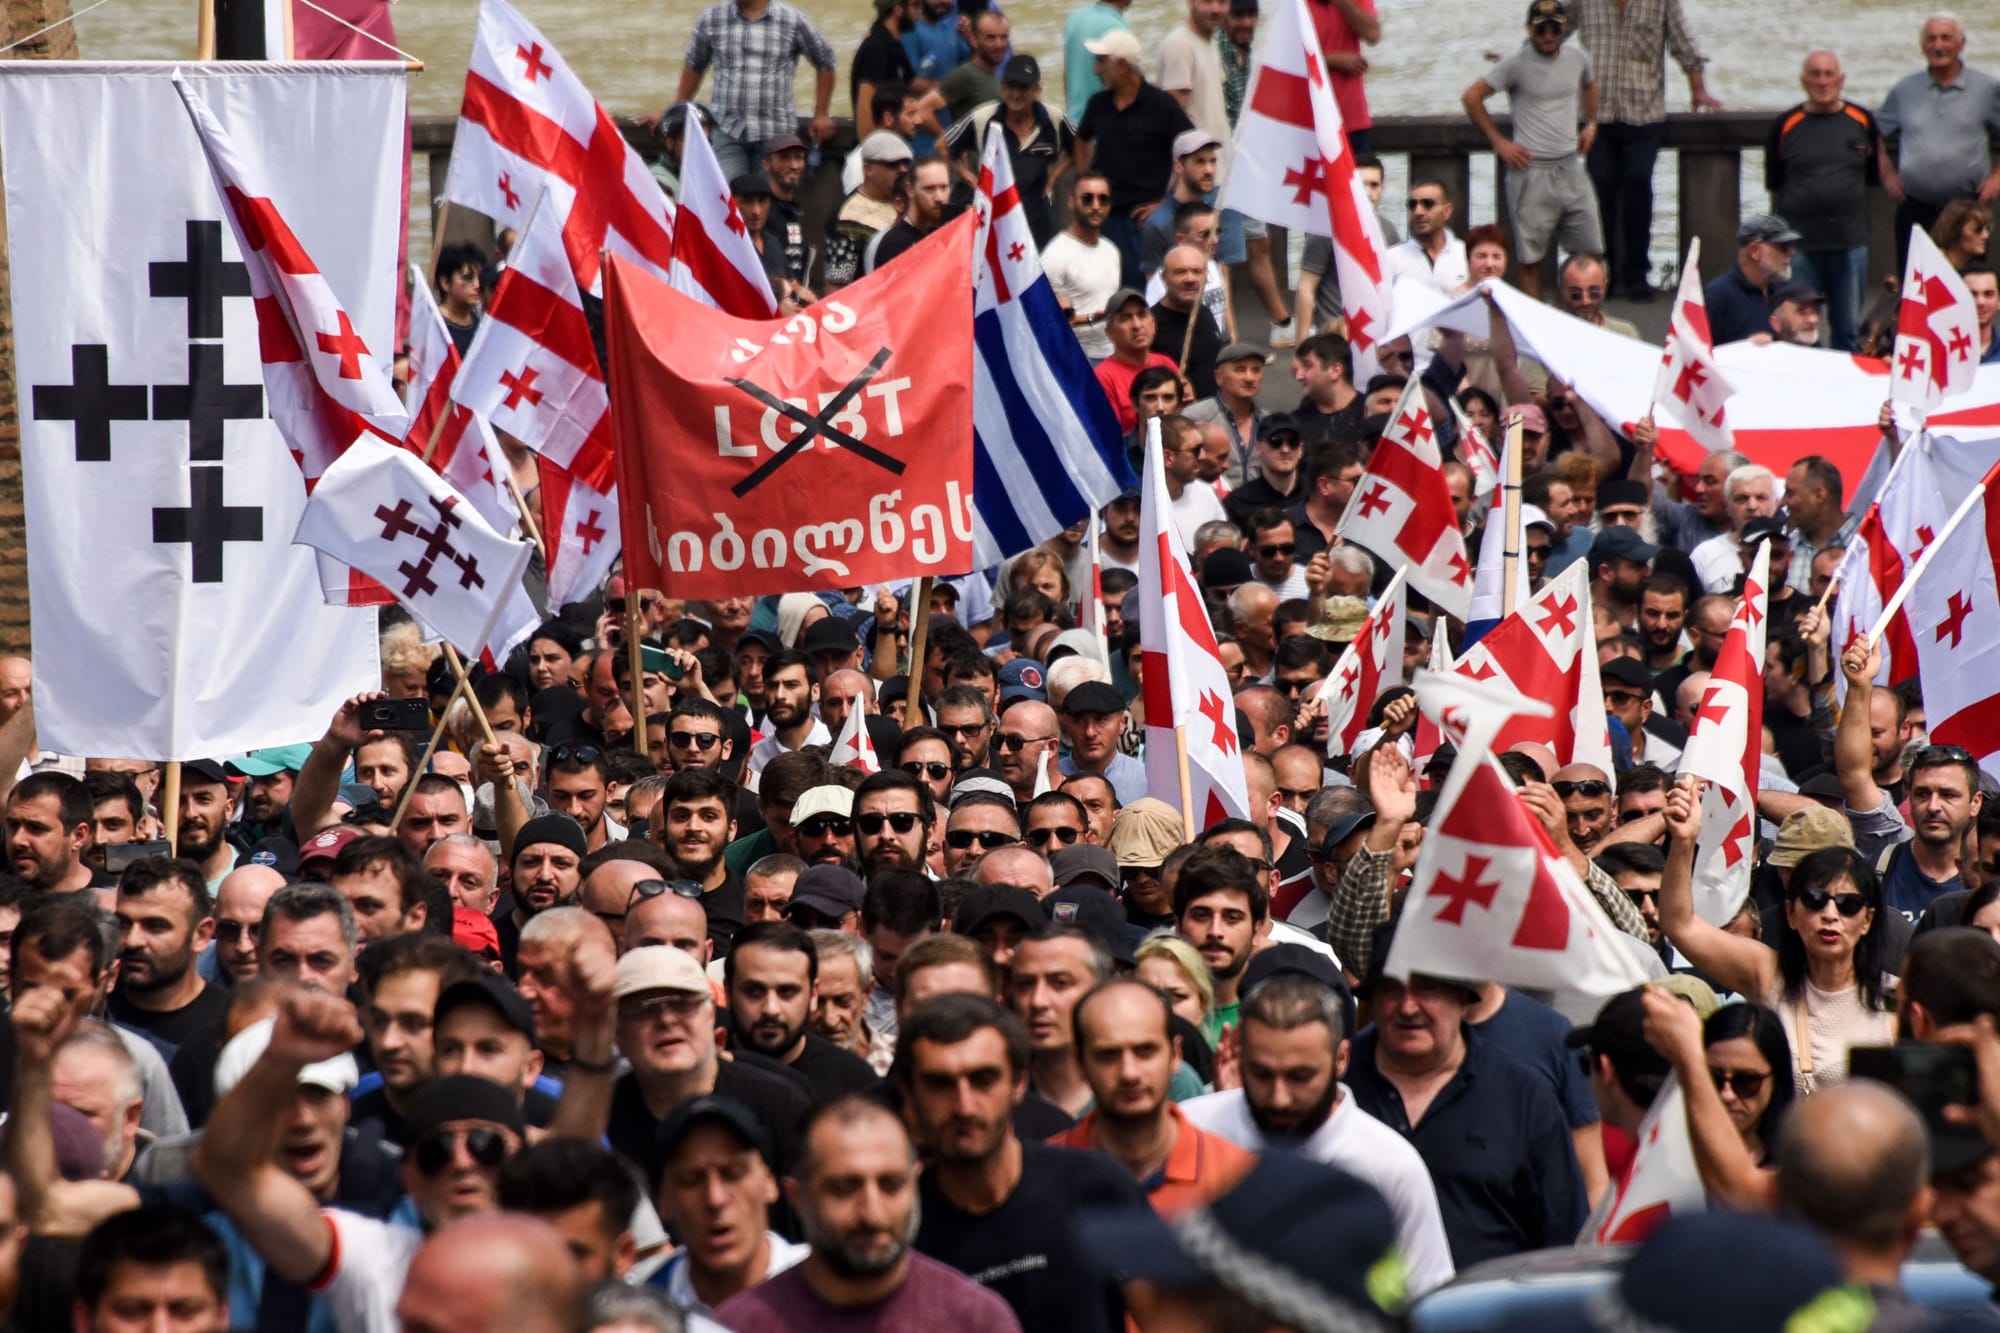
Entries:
{"x":1402,"y":511}
{"x":1726,"y":748}
{"x":1937,"y":330}
{"x":823,"y":451}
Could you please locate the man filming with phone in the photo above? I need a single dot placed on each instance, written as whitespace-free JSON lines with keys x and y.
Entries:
{"x":380,"y":734}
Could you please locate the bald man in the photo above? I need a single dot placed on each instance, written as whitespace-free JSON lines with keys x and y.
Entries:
{"x":239,"y":911}
{"x":1589,"y":802}
{"x":1854,"y":1162}
{"x":497,"y":1270}
{"x":1026,"y":745}
{"x":1184,"y":273}
{"x":1022,"y":867}
{"x":838,"y":695}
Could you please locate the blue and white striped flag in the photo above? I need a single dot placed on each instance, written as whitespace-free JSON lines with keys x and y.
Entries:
{"x":1047,"y":450}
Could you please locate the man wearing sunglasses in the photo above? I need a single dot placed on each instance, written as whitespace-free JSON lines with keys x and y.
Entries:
{"x":1433,"y":254}
{"x":769,"y":977}
{"x":893,"y":814}
{"x":239,"y":911}
{"x":823,"y":826}
{"x":460,"y":1130}
{"x":927,"y":755}
{"x":1587,"y":803}
{"x":979,"y":822}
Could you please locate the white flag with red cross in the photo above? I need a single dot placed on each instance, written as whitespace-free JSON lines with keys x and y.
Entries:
{"x":1372,"y":663}
{"x":326,"y":386}
{"x":1292,"y":166}
{"x":854,"y":748}
{"x":1896,"y":530}
{"x":465,"y":453}
{"x":1546,"y":650}
{"x":1690,"y":385}
{"x":715,"y":261}
{"x":1954,"y":614}
{"x":1663,"y":1181}
{"x":1402,"y":511}
{"x":1937,"y":330}
{"x":1491,"y":899}
{"x":528,"y":124}
{"x":1185,"y":683}
{"x":379,"y":510}
{"x":1726,"y":749}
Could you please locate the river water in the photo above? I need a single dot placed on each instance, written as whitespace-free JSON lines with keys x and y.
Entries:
{"x":629,"y":53}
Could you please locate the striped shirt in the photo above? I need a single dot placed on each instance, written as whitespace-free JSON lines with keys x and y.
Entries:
{"x":1627,"y":40}
{"x":755,"y":61}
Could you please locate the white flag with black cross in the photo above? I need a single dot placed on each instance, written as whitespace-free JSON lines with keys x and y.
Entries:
{"x":172,"y":616}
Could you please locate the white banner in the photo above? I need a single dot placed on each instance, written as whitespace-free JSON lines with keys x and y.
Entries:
{"x":172,"y":616}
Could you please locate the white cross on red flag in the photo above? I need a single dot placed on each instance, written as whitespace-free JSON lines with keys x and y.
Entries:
{"x":1726,"y":749}
{"x":1491,"y":899}
{"x":1292,"y":166}
{"x":1689,"y":385}
{"x":1954,"y":614}
{"x":1937,"y":330}
{"x":1185,"y":682}
{"x":528,"y":124}
{"x":1372,"y":663}
{"x":1546,"y":650}
{"x":715,"y":261}
{"x":1402,"y":511}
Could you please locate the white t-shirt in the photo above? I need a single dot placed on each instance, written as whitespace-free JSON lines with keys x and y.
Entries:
{"x":1718,"y":562}
{"x":1362,"y":1146}
{"x":680,"y":1290}
{"x":764,"y":751}
{"x":1192,"y":64}
{"x":1196,"y":506}
{"x":1450,"y":274}
{"x":364,"y":1278}
{"x":1085,"y":277}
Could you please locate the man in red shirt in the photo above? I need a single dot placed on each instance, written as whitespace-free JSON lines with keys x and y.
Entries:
{"x":1128,"y":322}
{"x":1342,"y":26}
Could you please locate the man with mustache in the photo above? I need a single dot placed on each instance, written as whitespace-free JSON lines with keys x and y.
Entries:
{"x":769,"y":976}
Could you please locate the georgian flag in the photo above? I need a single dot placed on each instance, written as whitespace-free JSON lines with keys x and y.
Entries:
{"x":1402,"y":511}
{"x":1545,"y":650}
{"x":461,"y":446}
{"x":1372,"y":663}
{"x":714,"y":259}
{"x":1690,"y":385}
{"x":1726,"y":748}
{"x":1291,"y":166}
{"x":1187,"y":687}
{"x":1902,"y":523}
{"x":1937,"y":330}
{"x":528,"y":125}
{"x":1954,"y":615}
{"x":854,"y":748}
{"x":1490,"y":898}
{"x":1663,"y":1182}
{"x":1479,"y":455}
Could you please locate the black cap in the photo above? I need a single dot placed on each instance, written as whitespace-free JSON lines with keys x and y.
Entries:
{"x":1093,"y":696}
{"x":763,"y":638}
{"x":831,"y":635}
{"x":750,"y":183}
{"x":1543,"y":10}
{"x":1763,"y":529}
{"x":1021,"y":70}
{"x":1619,"y":1031}
{"x":497,"y":994}
{"x":558,"y":829}
{"x":1095,"y":913}
{"x":208,"y":770}
{"x":1241,"y":7}
{"x":1723,"y":1269}
{"x":1226,"y":568}
{"x":708,"y":1110}
{"x":1621,"y":491}
{"x":1621,"y":543}
{"x":1279,"y":423}
{"x":781,"y":143}
{"x":275,"y":853}
{"x":829,"y":889}
{"x":1082,"y":863}
{"x":1298,"y":960}
{"x":989,"y":902}
{"x":1766,"y":227}
{"x":461,"y":1097}
{"x":1343,"y":828}
{"x":1627,"y":671}
{"x":1797,"y":293}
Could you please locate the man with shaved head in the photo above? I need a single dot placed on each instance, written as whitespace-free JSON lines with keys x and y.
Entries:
{"x":239,"y":910}
{"x":1818,"y":165}
{"x":1184,"y":272}
{"x":1026,"y":745}
{"x":1588,"y":802}
{"x":1018,"y":865}
{"x":1854,"y":1162}
{"x":500,"y":1270}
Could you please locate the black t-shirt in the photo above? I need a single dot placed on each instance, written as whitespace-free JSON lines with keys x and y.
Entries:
{"x":895,"y":238}
{"x":878,"y":60}
{"x":1171,"y":334}
{"x":1023,"y":1251}
{"x":1315,"y":425}
{"x":1133,"y":147}
{"x":167,"y":1029}
{"x":773,"y":1098}
{"x":192,"y":1068}
{"x":1258,"y":493}
{"x":832,"y":1069}
{"x":725,"y":907}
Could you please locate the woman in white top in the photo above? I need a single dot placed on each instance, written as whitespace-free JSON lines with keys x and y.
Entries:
{"x":1825,"y":976}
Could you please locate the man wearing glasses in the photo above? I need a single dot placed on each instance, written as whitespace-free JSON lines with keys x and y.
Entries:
{"x":979,"y":822}
{"x":1587,"y":803}
{"x":1432,"y":254}
{"x":1084,"y":269}
{"x":1279,"y":451}
{"x":893,"y":815}
{"x":1093,"y":719}
{"x":1027,"y":738}
{"x":966,"y":719}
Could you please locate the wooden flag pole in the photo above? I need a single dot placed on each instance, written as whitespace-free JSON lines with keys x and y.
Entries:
{"x":1187,"y":338}
{"x":170,"y":805}
{"x":1510,"y":517}
{"x":465,"y":688}
{"x":204,"y":45}
{"x":1974,"y":500}
{"x":920,"y":633}
{"x":424,"y":761}
{"x":635,"y":662}
{"x":528,"y":524}
{"x":1187,"y":782}
{"x":1832,"y":586}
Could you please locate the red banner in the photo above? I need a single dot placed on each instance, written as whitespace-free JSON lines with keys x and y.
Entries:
{"x":823,"y":451}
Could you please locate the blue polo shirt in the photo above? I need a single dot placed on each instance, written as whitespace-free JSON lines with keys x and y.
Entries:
{"x":1497,"y":1146}
{"x":1735,"y":308}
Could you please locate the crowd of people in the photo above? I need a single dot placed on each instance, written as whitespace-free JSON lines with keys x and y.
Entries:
{"x":647,"y":1014}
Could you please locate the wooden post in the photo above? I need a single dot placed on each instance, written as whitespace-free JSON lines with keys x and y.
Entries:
{"x":465,"y":688}
{"x":204,"y":43}
{"x":424,"y":761}
{"x":920,"y":627}
{"x":528,"y":524}
{"x":635,"y":661}
{"x":1510,"y":549}
{"x":1188,"y":829}
{"x":170,"y":805}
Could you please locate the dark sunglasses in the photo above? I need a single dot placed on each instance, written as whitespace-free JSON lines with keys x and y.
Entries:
{"x":926,"y":768}
{"x":1587,"y":787}
{"x":1042,"y":837}
{"x":1275,"y":549}
{"x":1093,"y":198}
{"x":1548,"y":25}
{"x":972,"y":730}
{"x":1417,"y":205}
{"x":1815,"y":901}
{"x":1624,"y":697}
{"x":819,"y":826}
{"x":653,"y":888}
{"x":694,"y":740}
{"x":1293,"y":687}
{"x":1745,"y":1083}
{"x":1639,"y":896}
{"x":1013,"y":743}
{"x":900,"y":820}
{"x":487,"y":1147}
{"x":1283,"y":440}
{"x":229,"y":932}
{"x":1941,"y":754}
{"x":961,"y":838}
{"x":582,"y":754}
{"x":1584,"y":293}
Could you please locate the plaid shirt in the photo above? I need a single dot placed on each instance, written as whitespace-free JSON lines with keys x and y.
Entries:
{"x":1626,"y":39}
{"x":1361,"y":903}
{"x":1235,"y":73}
{"x":755,"y":62}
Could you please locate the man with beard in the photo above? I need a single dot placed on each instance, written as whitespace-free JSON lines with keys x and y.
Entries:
{"x":1943,"y":788}
{"x":163,"y":922}
{"x":272,"y":774}
{"x":1619,"y":566}
{"x":546,"y":870}
{"x":715,"y":1182}
{"x":579,"y":781}
{"x":822,"y":824}
{"x":1126,"y":1044}
{"x":1048,"y":974}
{"x":435,"y":812}
{"x":48,"y":832}
{"x":695,"y":828}
{"x":402,"y":979}
{"x":117,"y":809}
{"x":1293,"y":1050}
{"x":1222,"y":907}
{"x":980,"y":821}
{"x":992,"y":1204}
{"x":855,"y":1189}
{"x":927,"y":188}
{"x":1663,"y":609}
{"x":893,"y":814}
{"x":790,"y":689}
{"x":769,"y":976}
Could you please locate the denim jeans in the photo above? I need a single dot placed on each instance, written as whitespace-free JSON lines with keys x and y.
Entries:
{"x":1621,"y":168}
{"x":1839,"y":275}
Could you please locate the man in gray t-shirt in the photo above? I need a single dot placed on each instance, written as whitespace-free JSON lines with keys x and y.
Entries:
{"x":1552,"y":96}
{"x":1939,"y":122}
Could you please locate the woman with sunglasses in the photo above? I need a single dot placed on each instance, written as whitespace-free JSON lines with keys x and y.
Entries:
{"x":1732,"y":1072}
{"x":1824,"y":977}
{"x":1962,"y":231}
